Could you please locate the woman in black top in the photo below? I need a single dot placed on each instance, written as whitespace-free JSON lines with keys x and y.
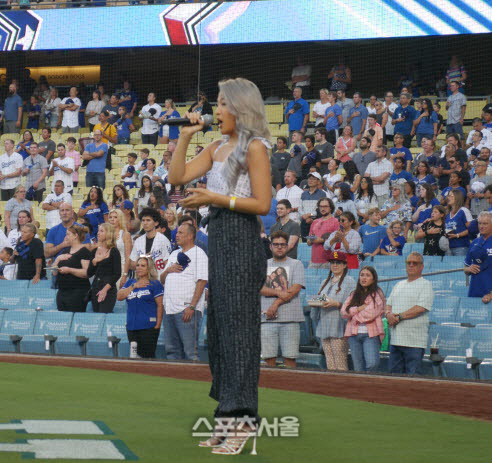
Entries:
{"x":201,"y":106}
{"x":105,"y":264}
{"x":432,"y":230}
{"x":73,"y":284}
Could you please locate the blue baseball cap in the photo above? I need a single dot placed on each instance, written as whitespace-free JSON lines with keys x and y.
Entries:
{"x":479,"y":256}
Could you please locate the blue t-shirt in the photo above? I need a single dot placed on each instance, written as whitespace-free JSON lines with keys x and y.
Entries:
{"x":407,"y":157}
{"x":123,"y":127}
{"x":10,"y":110}
{"x":201,"y":240}
{"x":429,"y":179}
{"x":414,"y":200}
{"x":427,"y":126}
{"x":33,"y":122}
{"x":480,"y":253}
{"x":57,"y":234}
{"x":426,"y":213}
{"x":455,"y":225}
{"x":405,"y":175}
{"x":95,"y":216}
{"x":332,"y":122}
{"x":141,"y":311}
{"x":24,"y":153}
{"x":97,"y":164}
{"x":356,"y":122}
{"x":269,"y":219}
{"x":409,"y":113}
{"x":388,"y":247}
{"x":296,"y":119}
{"x":173,"y":129}
{"x":371,"y":237}
{"x":129,"y":103}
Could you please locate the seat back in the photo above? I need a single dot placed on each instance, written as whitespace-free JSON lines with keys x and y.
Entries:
{"x":88,"y":324}
{"x":44,"y":298}
{"x":450,"y":338}
{"x":481,"y":341}
{"x":54,"y":323}
{"x":18,"y":322}
{"x":473,"y":310}
{"x":444,"y":309}
{"x":13,"y":296}
{"x":115,"y":324}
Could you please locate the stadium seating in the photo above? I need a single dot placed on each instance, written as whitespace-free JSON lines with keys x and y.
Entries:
{"x":444,"y":309}
{"x":472,"y":310}
{"x":452,"y":339}
{"x":85,"y":327}
{"x":15,"y":324}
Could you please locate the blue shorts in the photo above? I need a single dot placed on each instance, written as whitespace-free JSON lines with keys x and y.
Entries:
{"x":285,"y":335}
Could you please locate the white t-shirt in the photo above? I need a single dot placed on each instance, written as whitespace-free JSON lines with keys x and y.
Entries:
{"x":302,"y":71}
{"x":320,"y":108}
{"x":71,"y":118}
{"x":377,"y":168}
{"x":486,"y":137}
{"x":133,"y":178}
{"x":148,"y":126}
{"x":58,"y":174}
{"x":179,"y":287}
{"x":161,"y":248}
{"x":53,"y":217}
{"x":9,"y":164}
{"x":332,"y":179}
{"x":390,"y":128}
{"x":293,"y":194}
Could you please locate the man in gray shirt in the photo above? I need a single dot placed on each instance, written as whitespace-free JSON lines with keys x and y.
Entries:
{"x":325,"y":149}
{"x":456,"y":106}
{"x":345,"y":104}
{"x":47,"y":147}
{"x":281,"y":311}
{"x":287,"y":225}
{"x":36,"y":169}
{"x":296,"y":152}
{"x":364,"y":157}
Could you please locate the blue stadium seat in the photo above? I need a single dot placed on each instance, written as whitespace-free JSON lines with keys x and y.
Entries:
{"x":13,"y":297}
{"x":412,"y":247}
{"x":319,"y":273}
{"x":386,"y":262}
{"x":473,"y":310}
{"x":459,"y":291}
{"x":99,"y":346}
{"x":42,"y":284}
{"x":444,"y":309}
{"x":481,"y":341}
{"x":120,"y":307}
{"x":312,"y":287}
{"x":202,"y":339}
{"x":452,"y":338}
{"x":44,"y":298}
{"x":47,"y":323}
{"x":304,"y":253}
{"x":16,"y":322}
{"x":2,"y":313}
{"x":485,"y":369}
{"x":89,"y":325}
{"x":456,"y":367}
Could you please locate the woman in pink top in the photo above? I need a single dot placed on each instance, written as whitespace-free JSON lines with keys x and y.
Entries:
{"x":345,"y":145}
{"x":320,"y":230}
{"x":75,"y":155}
{"x":363,"y":309}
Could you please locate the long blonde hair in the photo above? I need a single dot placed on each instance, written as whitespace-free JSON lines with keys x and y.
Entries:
{"x":121,"y":218}
{"x":244,"y":102}
{"x":110,"y":235}
{"x":151,"y":270}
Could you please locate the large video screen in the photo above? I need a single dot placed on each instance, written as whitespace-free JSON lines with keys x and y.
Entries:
{"x":239,"y":23}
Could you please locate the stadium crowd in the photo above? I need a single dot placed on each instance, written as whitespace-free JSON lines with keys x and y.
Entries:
{"x":351,"y":190}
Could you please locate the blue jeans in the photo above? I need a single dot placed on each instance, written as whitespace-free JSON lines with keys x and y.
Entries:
{"x":406,"y":360}
{"x":462,"y":251}
{"x":123,"y":140}
{"x":455,"y":128}
{"x":365,"y":352}
{"x":95,"y":179}
{"x":180,"y":338}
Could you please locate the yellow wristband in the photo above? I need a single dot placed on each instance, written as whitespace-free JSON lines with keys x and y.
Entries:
{"x":232,"y":203}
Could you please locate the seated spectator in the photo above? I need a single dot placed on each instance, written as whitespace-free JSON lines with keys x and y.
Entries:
{"x":397,"y":208}
{"x":23,"y":146}
{"x":124,"y":127}
{"x":372,"y":233}
{"x":343,"y":200}
{"x":14,"y":206}
{"x":425,"y":204}
{"x":7,"y":270}
{"x":425,"y":124}
{"x":455,"y":183}
{"x":457,"y":222}
{"x":285,"y":224}
{"x":320,"y":230}
{"x":166,"y":132}
{"x":310,"y":158}
{"x":345,"y":145}
{"x":149,"y":170}
{"x":281,"y":310}
{"x":96,"y":154}
{"x":380,"y":171}
{"x":365,"y":199}
{"x":95,"y":209}
{"x":476,"y":189}
{"x":129,"y":172}
{"x":333,"y":176}
{"x":364,"y":157}
{"x":478,"y":127}
{"x":363,"y":309}
{"x":29,"y":255}
{"x":201,"y":106}
{"x":432,"y":231}
{"x":142,"y":196}
{"x":393,"y":242}
{"x":402,"y":152}
{"x":399,"y":175}
{"x":52,"y":203}
{"x":473,"y":151}
{"x":423,"y":175}
{"x":120,"y":195}
{"x":293,"y":193}
{"x":320,"y":108}
{"x":309,"y":201}
{"x":377,"y":138}
{"x":330,"y":326}
{"x":333,"y":118}
{"x":281,"y":157}
{"x":478,"y":260}
{"x":93,"y":109}
{"x":352,"y":176}
{"x":72,"y":281}
{"x":428,"y":155}
{"x":346,"y":240}
{"x":150,"y":115}
{"x":409,"y":189}
{"x":297,"y":151}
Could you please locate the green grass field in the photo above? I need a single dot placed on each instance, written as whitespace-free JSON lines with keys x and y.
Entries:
{"x":154,"y":418}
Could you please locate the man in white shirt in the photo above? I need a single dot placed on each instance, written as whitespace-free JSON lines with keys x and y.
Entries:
{"x":390,"y":107}
{"x":478,"y":127}
{"x":11,"y":164}
{"x":301,"y":77}
{"x":184,"y":280}
{"x":293,"y":193}
{"x":61,"y":168}
{"x":150,"y":114}
{"x":52,"y":204}
{"x":152,"y":243}
{"x":70,"y":107}
{"x":380,"y":171}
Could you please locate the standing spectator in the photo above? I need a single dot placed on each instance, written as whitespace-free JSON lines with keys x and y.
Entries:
{"x":201,"y":106}
{"x":109,"y":131}
{"x":402,"y":152}
{"x":297,"y":112}
{"x":105,"y":267}
{"x":407,"y":311}
{"x":11,"y":164}
{"x":14,"y":205}
{"x":352,"y":177}
{"x":403,"y":118}
{"x":346,"y":104}
{"x":456,"y":73}
{"x":36,"y":169}
{"x":75,"y":155}
{"x":377,"y":136}
{"x":357,"y":117}
{"x":23,"y":217}
{"x":29,"y":255}
{"x":409,"y":187}
{"x":50,"y":109}
{"x":364,"y":330}
{"x":33,"y":110}
{"x":297,"y":151}
{"x":457,"y":222}
{"x":310,"y":158}
{"x":380,"y":171}
{"x":346,"y":240}
{"x":423,"y":175}
{"x":426,"y":202}
{"x":94,"y":108}
{"x":124,"y":242}
{"x":320,"y":107}
{"x":397,"y":208}
{"x":456,"y":106}
{"x":476,"y":189}
{"x":428,"y":153}
{"x":166,"y":132}
{"x":330,"y":326}
{"x":141,"y":198}
{"x":345,"y":145}
{"x":73,"y":284}
{"x":293,"y":193}
{"x":150,"y":114}
{"x":120,"y":195}
{"x":425,"y":124}
{"x":47,"y":146}
{"x":23,"y":147}
{"x":372,"y":233}
{"x":104,"y":96}
{"x":399,"y":175}
{"x":309,"y":201}
{"x":69,"y":107}
{"x":128,"y":99}
{"x":62,"y":169}
{"x":96,"y":153}
{"x":52,"y":204}
{"x":94,"y":209}
{"x":185,"y":277}
{"x":281,"y":311}
{"x":455,"y":182}
{"x":144,"y":314}
{"x":364,"y":157}
{"x":124,"y":127}
{"x":287,"y":226}
{"x":332,"y":177}
{"x":390,"y":107}
{"x":341,"y":76}
{"x":301,"y":77}
{"x":365,"y":199}
{"x":393,"y":242}
{"x":325,"y":149}
{"x":381,"y":117}
{"x":56,"y":241}
{"x":111,"y":108}
{"x":343,"y":201}
{"x":478,"y":260}
{"x":281,"y":158}
{"x":432,"y":231}
{"x":333,"y":118}
{"x":12,"y":111}
{"x":440,"y":119}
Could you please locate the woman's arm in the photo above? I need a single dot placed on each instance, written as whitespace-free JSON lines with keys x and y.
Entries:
{"x":355,"y":186}
{"x":123,"y":293}
{"x":160,"y":311}
{"x":77,"y":272}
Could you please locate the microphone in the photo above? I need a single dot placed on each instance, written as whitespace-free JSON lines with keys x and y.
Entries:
{"x":207,"y":120}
